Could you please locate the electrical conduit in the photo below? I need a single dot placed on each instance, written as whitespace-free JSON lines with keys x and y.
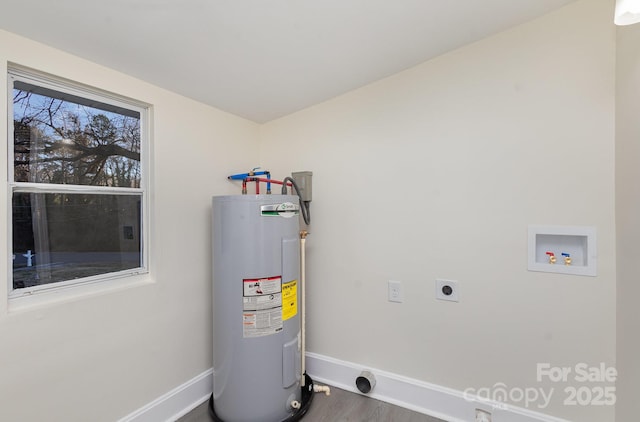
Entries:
{"x":303,"y":308}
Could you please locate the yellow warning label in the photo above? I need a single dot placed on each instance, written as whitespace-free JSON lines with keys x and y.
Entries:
{"x":289,"y":299}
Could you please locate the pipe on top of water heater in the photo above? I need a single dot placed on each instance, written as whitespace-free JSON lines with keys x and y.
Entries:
{"x":253,"y":172}
{"x":287,"y":181}
{"x":262,"y":179}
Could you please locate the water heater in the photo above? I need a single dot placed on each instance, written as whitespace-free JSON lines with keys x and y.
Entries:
{"x":256,"y":319}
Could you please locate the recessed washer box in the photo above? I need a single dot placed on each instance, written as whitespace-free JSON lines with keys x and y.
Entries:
{"x":578,"y":242}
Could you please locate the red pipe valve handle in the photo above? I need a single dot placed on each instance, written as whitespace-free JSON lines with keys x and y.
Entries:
{"x":552,"y":257}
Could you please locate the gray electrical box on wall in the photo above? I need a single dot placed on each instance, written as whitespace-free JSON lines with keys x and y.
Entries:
{"x":303,"y":181}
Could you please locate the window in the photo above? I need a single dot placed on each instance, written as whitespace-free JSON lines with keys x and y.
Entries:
{"x":77,"y":183}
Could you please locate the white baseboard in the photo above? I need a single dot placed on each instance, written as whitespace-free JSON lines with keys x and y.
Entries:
{"x":429,"y":399}
{"x":177,"y":402}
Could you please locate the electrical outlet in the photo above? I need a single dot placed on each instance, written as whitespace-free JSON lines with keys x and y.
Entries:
{"x":483,"y":416}
{"x":447,"y":290}
{"x":395,"y":291}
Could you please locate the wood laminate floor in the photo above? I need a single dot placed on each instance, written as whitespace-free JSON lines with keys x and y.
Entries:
{"x":340,"y":406}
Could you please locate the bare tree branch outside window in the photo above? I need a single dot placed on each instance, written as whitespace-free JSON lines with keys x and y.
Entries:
{"x":74,"y":143}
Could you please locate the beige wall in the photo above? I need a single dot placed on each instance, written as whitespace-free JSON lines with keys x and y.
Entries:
{"x":103,"y":356}
{"x":628,"y":220}
{"x":436,"y":172}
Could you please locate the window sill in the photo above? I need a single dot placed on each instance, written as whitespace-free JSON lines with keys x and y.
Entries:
{"x":42,"y":298}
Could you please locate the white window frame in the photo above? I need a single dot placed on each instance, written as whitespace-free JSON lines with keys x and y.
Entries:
{"x":44,"y":80}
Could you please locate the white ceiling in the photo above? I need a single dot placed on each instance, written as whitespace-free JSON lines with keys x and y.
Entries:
{"x":263,"y":59}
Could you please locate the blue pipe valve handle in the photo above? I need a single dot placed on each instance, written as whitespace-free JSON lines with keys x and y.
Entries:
{"x":242,"y":176}
{"x":567,"y":258}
